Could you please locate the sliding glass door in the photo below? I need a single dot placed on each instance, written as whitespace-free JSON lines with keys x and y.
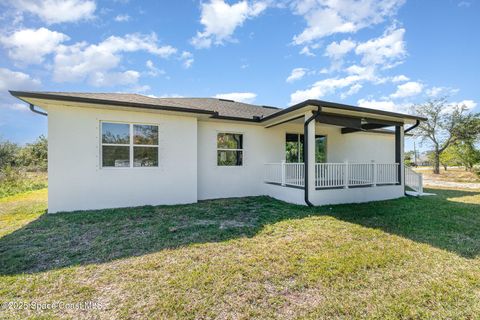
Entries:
{"x":294,"y":144}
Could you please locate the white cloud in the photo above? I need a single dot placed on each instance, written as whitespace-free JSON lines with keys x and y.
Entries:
{"x":385,"y":105}
{"x":325,"y":18}
{"x":107,"y":79}
{"x":297,"y":74}
{"x":16,"y":106}
{"x":387,"y":50}
{"x":245,"y":97}
{"x":14,"y":80}
{"x":323,"y":87}
{"x":57,"y":11}
{"x":96,"y":62}
{"x":30,"y":46}
{"x":399,"y":78}
{"x":408,"y":89}
{"x":434,"y":92}
{"x":353,"y":90}
{"x":187,"y":58}
{"x":306,"y":51}
{"x":173,"y":95}
{"x":468,"y":104}
{"x":122,"y":18}
{"x":152,"y":70}
{"x":220,"y":20}
{"x":337,"y":50}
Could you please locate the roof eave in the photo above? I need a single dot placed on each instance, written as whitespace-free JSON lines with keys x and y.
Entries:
{"x":320,"y":103}
{"x":46,"y":96}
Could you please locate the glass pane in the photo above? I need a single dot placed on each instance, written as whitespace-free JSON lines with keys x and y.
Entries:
{"x":145,"y":156}
{"x":113,"y":156}
{"x":118,"y":133}
{"x":145,"y":134}
{"x":229,"y":158}
{"x":229,"y":141}
{"x":320,"y":149}
{"x":292,"y":151}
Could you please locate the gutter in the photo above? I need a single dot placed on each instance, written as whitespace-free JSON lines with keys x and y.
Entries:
{"x":305,"y":153}
{"x":412,"y":127}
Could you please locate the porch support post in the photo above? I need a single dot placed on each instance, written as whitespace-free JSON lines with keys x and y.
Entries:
{"x":309,"y":145}
{"x":399,"y":136}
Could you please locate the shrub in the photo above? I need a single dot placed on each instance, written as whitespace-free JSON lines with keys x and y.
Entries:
{"x":14,"y":180}
{"x":476,"y":170}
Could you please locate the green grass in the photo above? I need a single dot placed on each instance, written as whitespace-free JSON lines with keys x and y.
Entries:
{"x":246,"y":258}
{"x":19,"y":182}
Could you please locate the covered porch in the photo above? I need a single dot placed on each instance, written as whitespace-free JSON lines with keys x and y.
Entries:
{"x":344,"y":155}
{"x":333,"y":175}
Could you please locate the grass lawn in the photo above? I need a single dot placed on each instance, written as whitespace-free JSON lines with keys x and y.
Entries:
{"x":246,"y":258}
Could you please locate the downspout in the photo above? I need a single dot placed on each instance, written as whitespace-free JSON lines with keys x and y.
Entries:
{"x":32,"y":108}
{"x":412,"y":127}
{"x":406,"y":131}
{"x":305,"y":153}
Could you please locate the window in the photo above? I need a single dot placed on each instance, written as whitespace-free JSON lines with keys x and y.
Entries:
{"x":294,"y":148}
{"x":122,"y":142}
{"x":229,"y":149}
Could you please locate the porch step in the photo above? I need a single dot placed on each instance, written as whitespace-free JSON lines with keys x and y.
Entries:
{"x":417,"y":194}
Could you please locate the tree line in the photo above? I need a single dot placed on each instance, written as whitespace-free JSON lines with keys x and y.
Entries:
{"x":31,"y":157}
{"x":451,"y":131}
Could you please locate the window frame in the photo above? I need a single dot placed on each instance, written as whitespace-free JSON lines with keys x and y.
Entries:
{"x":130,"y":145}
{"x":225,"y":149}
{"x":299,"y":140}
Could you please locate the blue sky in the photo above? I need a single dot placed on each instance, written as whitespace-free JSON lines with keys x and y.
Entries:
{"x":384,"y":54}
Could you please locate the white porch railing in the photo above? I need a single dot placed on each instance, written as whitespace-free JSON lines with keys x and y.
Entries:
{"x":413,"y":180}
{"x":333,"y":175}
{"x":292,"y":174}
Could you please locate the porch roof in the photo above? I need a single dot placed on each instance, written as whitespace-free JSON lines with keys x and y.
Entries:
{"x":339,"y":109}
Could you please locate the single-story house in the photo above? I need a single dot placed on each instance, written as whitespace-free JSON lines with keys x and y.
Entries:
{"x":108,"y":150}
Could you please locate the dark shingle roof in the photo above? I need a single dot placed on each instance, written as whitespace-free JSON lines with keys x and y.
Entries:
{"x":218,"y":108}
{"x":224,"y":108}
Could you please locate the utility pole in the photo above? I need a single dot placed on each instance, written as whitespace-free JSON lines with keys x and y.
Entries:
{"x":415,"y":152}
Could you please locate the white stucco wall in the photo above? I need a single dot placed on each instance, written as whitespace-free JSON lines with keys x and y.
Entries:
{"x":260,"y":146}
{"x":77,"y":181}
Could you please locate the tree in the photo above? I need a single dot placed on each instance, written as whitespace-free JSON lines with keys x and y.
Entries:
{"x":446,"y":124}
{"x":34,"y":155}
{"x":467,"y":154}
{"x":409,"y":158}
{"x":449,"y":157}
{"x":8,"y":152}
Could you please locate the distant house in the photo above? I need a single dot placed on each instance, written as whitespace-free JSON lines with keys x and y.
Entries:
{"x":116,"y":150}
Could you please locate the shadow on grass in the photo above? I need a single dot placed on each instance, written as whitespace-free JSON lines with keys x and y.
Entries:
{"x":80,"y":238}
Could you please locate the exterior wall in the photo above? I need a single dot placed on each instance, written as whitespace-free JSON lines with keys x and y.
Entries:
{"x":358,"y":146}
{"x":77,"y":181}
{"x":356,"y":195}
{"x":260,"y":146}
{"x":290,"y":195}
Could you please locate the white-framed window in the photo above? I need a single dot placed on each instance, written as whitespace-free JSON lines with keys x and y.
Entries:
{"x":128,"y":145}
{"x":229,"y":149}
